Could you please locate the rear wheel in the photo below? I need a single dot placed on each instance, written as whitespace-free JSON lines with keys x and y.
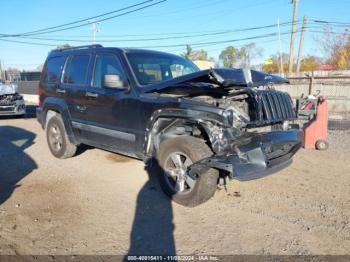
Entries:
{"x":174,"y":157}
{"x":57,"y":138}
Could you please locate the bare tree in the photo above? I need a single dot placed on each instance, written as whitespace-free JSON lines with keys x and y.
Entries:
{"x":336,"y":48}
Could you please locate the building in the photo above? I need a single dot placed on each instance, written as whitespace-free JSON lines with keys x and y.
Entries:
{"x":30,"y":76}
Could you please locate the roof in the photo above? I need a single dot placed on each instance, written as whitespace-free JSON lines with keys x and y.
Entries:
{"x":100,"y":47}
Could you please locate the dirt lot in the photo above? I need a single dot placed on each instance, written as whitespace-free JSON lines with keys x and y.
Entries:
{"x":103,"y":203}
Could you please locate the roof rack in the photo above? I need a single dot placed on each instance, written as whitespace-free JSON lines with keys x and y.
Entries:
{"x":77,"y":47}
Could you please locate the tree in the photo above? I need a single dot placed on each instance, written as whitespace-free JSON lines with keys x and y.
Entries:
{"x":191,"y":54}
{"x":240,"y":57}
{"x":228,"y":56}
{"x":187,"y":54}
{"x":272,"y":64}
{"x":309,"y":63}
{"x":336,"y":48}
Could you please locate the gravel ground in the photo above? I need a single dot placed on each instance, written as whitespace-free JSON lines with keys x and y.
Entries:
{"x":339,"y":140}
{"x":104,"y":203}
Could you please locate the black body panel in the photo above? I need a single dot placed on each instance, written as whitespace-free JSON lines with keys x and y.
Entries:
{"x":126,"y":120}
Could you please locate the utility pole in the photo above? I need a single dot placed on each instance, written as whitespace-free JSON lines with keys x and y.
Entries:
{"x":280,"y":45}
{"x":95,"y":29}
{"x":2,"y":71}
{"x":301,"y":43}
{"x":292,"y":38}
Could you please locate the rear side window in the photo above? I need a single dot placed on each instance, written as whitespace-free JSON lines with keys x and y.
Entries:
{"x":76,"y":70}
{"x":52,"y":70}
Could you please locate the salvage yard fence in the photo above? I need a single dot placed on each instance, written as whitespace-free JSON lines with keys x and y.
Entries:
{"x":335,"y":88}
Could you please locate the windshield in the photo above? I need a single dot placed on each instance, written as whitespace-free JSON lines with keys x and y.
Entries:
{"x":151,"y":68}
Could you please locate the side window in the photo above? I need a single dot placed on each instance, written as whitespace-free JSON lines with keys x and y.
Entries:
{"x":52,"y":70}
{"x":179,"y":70}
{"x":76,"y":70}
{"x":106,"y":65}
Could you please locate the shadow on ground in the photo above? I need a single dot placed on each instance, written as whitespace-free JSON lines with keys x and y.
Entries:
{"x":15,"y":164}
{"x":152,"y":230}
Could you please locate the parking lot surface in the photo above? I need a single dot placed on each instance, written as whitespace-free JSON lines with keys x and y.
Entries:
{"x":103,"y":203}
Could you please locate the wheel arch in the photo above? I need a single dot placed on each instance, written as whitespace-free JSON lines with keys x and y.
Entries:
{"x":166,"y":123}
{"x":53,"y":106}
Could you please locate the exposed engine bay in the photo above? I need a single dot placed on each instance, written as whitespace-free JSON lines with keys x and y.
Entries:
{"x":254,"y":108}
{"x":236,"y":92}
{"x":241,"y":105}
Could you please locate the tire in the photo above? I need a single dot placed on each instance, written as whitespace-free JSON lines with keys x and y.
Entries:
{"x":57,"y":138}
{"x":321,"y":145}
{"x":190,"y":150}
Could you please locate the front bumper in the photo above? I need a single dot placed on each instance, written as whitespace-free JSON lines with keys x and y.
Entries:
{"x":13,"y":110}
{"x":256,"y":156}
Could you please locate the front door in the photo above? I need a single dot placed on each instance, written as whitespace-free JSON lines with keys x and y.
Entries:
{"x":110,"y":112}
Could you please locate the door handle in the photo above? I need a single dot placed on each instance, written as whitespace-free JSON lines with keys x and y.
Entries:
{"x":90,"y":94}
{"x":61,"y":91}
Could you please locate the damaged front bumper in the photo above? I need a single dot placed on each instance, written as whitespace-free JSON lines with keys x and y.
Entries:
{"x":17,"y":108}
{"x":255,"y":155}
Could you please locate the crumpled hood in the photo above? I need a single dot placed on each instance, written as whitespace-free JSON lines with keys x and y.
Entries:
{"x":8,"y":89}
{"x":225,"y":78}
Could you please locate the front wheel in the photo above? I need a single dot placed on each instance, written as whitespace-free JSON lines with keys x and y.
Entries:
{"x":174,"y":157}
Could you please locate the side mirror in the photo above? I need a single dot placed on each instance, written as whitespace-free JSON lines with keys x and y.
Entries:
{"x":114,"y":81}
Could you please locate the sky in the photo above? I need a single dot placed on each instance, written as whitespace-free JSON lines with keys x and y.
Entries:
{"x":176,"y":22}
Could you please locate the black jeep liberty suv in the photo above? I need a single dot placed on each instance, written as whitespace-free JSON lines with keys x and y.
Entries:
{"x":196,"y":125}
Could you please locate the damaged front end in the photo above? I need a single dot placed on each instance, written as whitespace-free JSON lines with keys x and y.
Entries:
{"x":260,"y":140}
{"x":257,"y":137}
{"x":11,"y":103}
{"x":254,"y":155}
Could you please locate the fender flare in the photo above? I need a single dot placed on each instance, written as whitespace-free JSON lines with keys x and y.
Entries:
{"x":60,"y":106}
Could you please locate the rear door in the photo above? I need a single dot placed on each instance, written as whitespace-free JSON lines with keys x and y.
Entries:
{"x":74,"y":82}
{"x":50,"y":78}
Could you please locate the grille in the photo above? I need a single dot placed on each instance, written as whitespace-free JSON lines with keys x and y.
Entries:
{"x":276,"y":105}
{"x":7,"y":100}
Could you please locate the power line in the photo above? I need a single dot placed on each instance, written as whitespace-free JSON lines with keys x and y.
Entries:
{"x":174,"y":33}
{"x":161,"y":38}
{"x":45,"y":31}
{"x":173,"y":45}
{"x":89,"y":18}
{"x":217,"y":42}
{"x":28,"y":43}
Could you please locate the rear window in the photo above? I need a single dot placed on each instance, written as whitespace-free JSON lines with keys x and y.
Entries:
{"x":52,"y":70}
{"x":76,"y":70}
